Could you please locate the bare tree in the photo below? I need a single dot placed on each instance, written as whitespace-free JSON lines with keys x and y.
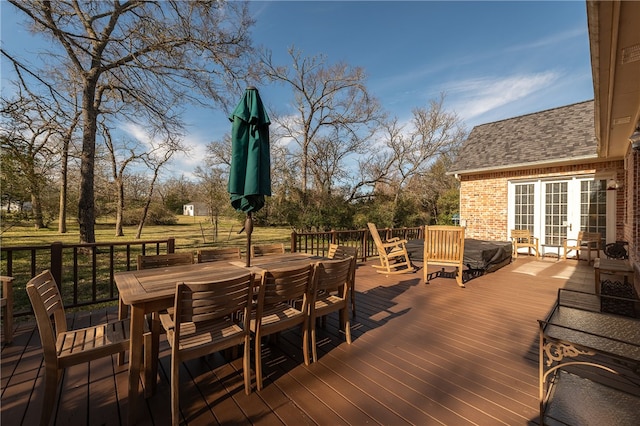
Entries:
{"x":157,"y":157}
{"x":406,"y":152}
{"x":140,"y":61}
{"x":29,"y":133}
{"x":329,"y":100}
{"x":120,"y":156}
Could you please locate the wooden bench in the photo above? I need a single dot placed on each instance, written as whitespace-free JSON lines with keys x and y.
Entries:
{"x":574,"y":340}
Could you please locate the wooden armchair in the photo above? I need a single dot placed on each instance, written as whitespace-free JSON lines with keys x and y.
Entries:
{"x":341,"y":252}
{"x":6,"y":303}
{"x":204,"y":320}
{"x":394,"y":258}
{"x":267,"y":249}
{"x":148,"y":262}
{"x":275,"y":312}
{"x":444,"y":245}
{"x":163,"y":260}
{"x":522,"y":238}
{"x":212,"y":255}
{"x":64,"y":348}
{"x":586,"y":241}
{"x":330,"y":293}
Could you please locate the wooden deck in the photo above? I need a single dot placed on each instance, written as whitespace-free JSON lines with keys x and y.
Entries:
{"x":422,"y":355}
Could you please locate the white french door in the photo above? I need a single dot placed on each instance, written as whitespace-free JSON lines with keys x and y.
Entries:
{"x":557,"y":209}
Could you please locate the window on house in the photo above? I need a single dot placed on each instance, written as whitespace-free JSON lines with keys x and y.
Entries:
{"x":593,"y":206}
{"x":524,"y":206}
{"x":555,"y":225}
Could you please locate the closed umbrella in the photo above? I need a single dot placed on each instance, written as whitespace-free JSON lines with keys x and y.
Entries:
{"x":250,"y":175}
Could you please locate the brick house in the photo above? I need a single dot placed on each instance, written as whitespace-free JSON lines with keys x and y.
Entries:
{"x":568,"y":168}
{"x":540,"y":172}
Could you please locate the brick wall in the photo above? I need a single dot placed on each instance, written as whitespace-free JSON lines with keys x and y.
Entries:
{"x":631,"y":221}
{"x":483,"y":196}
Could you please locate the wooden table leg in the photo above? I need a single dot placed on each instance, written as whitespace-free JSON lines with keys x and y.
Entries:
{"x":151,"y":358}
{"x":135,"y":360}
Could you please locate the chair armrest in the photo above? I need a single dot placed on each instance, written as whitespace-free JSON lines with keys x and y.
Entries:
{"x":392,"y":240}
{"x":396,"y":243}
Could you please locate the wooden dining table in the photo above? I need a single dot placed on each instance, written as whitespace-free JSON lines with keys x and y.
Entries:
{"x":150,"y":291}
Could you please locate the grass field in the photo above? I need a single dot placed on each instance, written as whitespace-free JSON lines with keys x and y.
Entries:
{"x":83,"y":284}
{"x":189,"y":232}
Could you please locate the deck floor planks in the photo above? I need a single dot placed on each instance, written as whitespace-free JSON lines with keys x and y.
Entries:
{"x":422,"y":354}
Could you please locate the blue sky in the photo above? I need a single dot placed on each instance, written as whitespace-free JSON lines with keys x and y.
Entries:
{"x":493,"y":60}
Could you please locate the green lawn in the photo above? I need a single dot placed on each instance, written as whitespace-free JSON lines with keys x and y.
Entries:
{"x":189,"y":232}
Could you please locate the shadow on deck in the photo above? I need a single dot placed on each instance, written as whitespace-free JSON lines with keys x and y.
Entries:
{"x":421,"y":354}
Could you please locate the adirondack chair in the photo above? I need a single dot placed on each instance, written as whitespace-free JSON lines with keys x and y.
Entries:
{"x":586,"y":241}
{"x":394,"y":258}
{"x":523,"y":238}
{"x":444,"y":246}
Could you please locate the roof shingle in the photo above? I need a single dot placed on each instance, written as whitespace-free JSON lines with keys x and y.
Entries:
{"x":549,"y":136}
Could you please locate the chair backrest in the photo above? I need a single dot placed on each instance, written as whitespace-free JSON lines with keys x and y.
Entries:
{"x":46,"y":302}
{"x":163,"y":260}
{"x":333,"y":275}
{"x":521,"y":235}
{"x":283,"y":285}
{"x":267,"y":249}
{"x":444,"y":243}
{"x":211,"y":255}
{"x":340,"y":252}
{"x":376,"y":236}
{"x":199,"y":302}
{"x":584,"y":236}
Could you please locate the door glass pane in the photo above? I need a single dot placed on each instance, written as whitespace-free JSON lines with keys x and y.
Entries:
{"x":555,"y":228}
{"x":593,"y":206}
{"x":524,"y":207}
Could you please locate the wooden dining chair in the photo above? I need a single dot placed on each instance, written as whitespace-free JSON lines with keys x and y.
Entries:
{"x":341,"y":252}
{"x":282,"y":304}
{"x":148,"y":262}
{"x":267,"y":249}
{"x":62,"y":347}
{"x":212,"y":255}
{"x":164,"y":260}
{"x":6,"y":305}
{"x":204,"y":320}
{"x":394,"y":258}
{"x":328,"y":293}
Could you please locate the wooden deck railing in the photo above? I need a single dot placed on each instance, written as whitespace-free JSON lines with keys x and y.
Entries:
{"x":318,"y":242}
{"x":84,"y":272}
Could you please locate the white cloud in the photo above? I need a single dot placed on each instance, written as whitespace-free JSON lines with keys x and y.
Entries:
{"x":478,"y":96}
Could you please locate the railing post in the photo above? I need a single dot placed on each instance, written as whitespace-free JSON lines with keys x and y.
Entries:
{"x":365,"y":249}
{"x":294,"y":242}
{"x":56,"y":262}
{"x":171,"y":245}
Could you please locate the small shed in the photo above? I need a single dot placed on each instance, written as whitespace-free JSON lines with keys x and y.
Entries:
{"x":195,"y":209}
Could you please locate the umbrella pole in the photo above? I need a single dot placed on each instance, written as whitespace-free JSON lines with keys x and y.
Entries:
{"x":248,"y":227}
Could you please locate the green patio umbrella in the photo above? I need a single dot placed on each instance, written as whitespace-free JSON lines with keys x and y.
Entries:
{"x":250,"y":175}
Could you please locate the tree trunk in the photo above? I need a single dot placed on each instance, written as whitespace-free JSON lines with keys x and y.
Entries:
{"x":119,"y":207}
{"x":36,"y":209}
{"x":86,"y":202}
{"x":62,"y":215}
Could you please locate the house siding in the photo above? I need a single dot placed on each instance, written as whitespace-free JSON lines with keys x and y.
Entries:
{"x":484,"y":200}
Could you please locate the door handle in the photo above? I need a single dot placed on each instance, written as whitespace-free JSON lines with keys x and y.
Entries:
{"x":570,"y":227}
